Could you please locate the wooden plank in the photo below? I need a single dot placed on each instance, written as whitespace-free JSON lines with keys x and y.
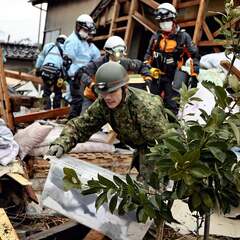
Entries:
{"x":5,"y":97}
{"x":145,"y":22}
{"x":116,"y":9}
{"x":226,"y":64}
{"x":209,"y":35}
{"x":175,"y":3}
{"x":121,"y":19}
{"x":52,"y":231}
{"x":7,"y":231}
{"x":94,"y":235}
{"x":23,"y":76}
{"x":188,"y":4}
{"x":187,"y":24}
{"x":100,"y":38}
{"x":20,"y":179}
{"x":211,"y":43}
{"x":120,"y":29}
{"x":130,"y":24}
{"x":150,"y":3}
{"x":31,"y":117}
{"x":199,"y":22}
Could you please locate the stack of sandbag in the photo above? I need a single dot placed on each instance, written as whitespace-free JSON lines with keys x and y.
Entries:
{"x":37,"y":137}
{"x":8,"y":147}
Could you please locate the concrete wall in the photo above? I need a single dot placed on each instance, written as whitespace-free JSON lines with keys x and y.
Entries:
{"x":62,"y":16}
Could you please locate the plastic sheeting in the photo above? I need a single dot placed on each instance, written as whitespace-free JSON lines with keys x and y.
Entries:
{"x":82,"y":208}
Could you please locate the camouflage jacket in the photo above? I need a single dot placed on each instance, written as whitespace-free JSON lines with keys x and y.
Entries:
{"x":138,"y":121}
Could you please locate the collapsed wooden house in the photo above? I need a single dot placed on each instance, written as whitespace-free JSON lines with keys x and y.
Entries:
{"x":133,"y":20}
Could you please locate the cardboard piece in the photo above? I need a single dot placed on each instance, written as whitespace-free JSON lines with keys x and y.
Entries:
{"x":82,"y":208}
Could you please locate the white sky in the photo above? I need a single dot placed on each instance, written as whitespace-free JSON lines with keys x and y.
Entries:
{"x":21,"y":20}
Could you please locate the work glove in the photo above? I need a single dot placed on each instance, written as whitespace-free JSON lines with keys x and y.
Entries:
{"x":193,"y":82}
{"x":55,"y":150}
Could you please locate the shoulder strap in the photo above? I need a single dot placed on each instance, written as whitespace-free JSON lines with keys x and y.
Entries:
{"x":50,"y":49}
{"x":59,"y":49}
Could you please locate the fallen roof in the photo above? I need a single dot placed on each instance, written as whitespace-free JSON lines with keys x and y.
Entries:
{"x":20,"y":51}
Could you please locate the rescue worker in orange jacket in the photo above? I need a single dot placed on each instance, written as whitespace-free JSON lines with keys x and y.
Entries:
{"x":167,"y":50}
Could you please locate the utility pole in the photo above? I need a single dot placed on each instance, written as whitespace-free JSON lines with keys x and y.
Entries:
{"x":39,"y":26}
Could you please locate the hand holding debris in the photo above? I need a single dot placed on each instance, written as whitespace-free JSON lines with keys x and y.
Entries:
{"x":55,"y":150}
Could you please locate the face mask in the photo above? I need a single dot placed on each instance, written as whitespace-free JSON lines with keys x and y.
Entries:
{"x":166,"y":26}
{"x":83,"y":34}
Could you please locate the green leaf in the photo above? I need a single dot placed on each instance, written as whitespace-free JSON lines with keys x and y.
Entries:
{"x":188,"y":179}
{"x":207,"y":200}
{"x":141,"y":215}
{"x":192,"y":156}
{"x":174,"y":145}
{"x":200,"y":171}
{"x":218,"y":21}
{"x":154,"y":181}
{"x":196,"y":200}
{"x":119,"y":181}
{"x":221,"y":96}
{"x":70,"y":179}
{"x":129,"y":180}
{"x":121,"y":210}
{"x":176,"y":157}
{"x":90,"y":191}
{"x":181,"y":189}
{"x":235,"y":130}
{"x":217,"y":153}
{"x":149,"y":211}
{"x":106,"y":182}
{"x":113,"y":203}
{"x":101,"y":199}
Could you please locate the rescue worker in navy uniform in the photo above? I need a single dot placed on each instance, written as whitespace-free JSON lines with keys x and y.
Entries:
{"x":167,"y":51}
{"x":80,"y":51}
{"x":115,"y":50}
{"x":135,"y":115}
{"x":49,"y":66}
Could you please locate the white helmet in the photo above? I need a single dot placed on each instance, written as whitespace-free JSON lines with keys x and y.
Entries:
{"x":85,"y":21}
{"x":165,"y":11}
{"x":114,"y":44}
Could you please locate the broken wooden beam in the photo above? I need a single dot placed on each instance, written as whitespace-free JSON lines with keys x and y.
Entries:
{"x":23,"y":76}
{"x":234,"y":70}
{"x":49,"y":114}
{"x":94,"y":235}
{"x":145,"y":22}
{"x":52,"y":231}
{"x":7,"y":231}
{"x":5,"y":105}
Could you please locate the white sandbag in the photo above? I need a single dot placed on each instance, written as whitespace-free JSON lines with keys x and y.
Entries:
{"x":213,"y":61}
{"x":8,"y":147}
{"x":87,"y":147}
{"x":51,"y":136}
{"x":31,"y":137}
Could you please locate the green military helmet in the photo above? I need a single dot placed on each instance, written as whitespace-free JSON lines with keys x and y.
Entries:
{"x":110,"y":76}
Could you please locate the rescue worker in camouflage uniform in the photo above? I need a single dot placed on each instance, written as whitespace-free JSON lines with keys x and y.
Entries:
{"x":136,"y":116}
{"x":80,"y":51}
{"x":167,"y":51}
{"x":115,"y":50}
